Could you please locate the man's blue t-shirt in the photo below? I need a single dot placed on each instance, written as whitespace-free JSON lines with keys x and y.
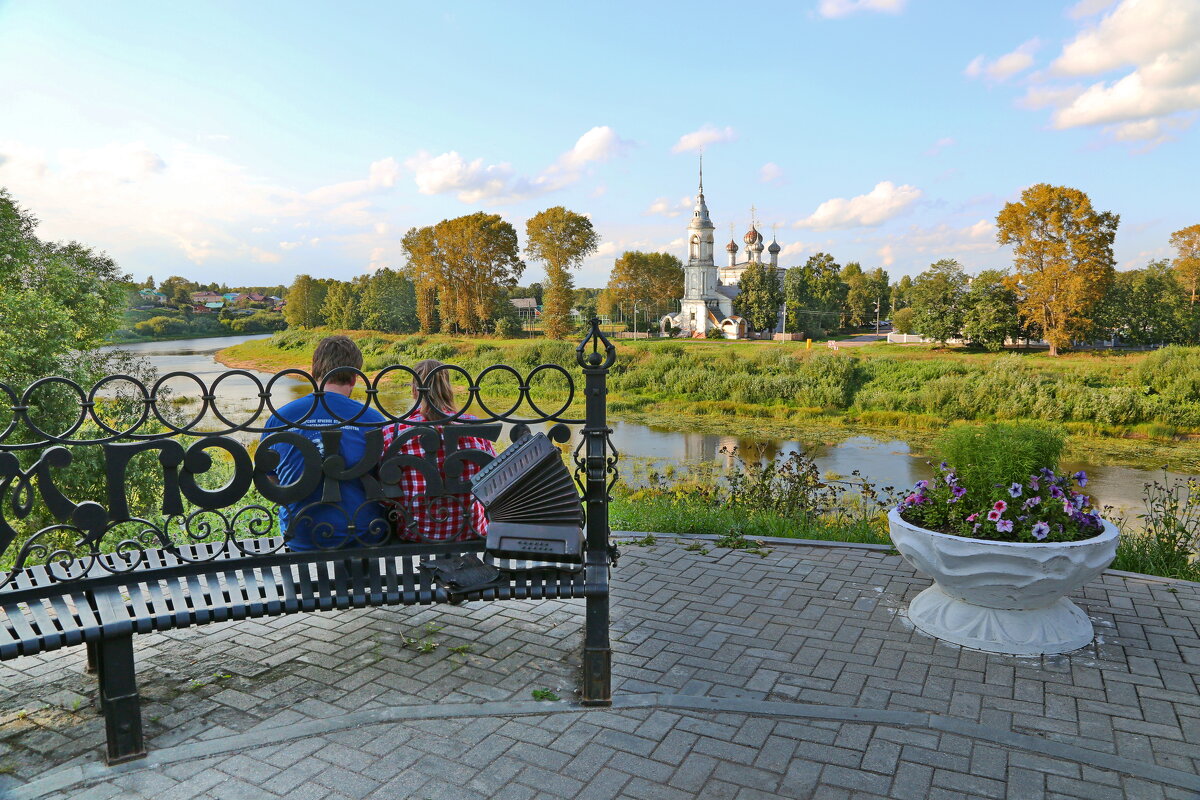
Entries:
{"x":324,"y":525}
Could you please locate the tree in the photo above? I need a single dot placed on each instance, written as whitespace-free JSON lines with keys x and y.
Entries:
{"x":420,"y":246}
{"x":389,"y":303}
{"x":479,"y":261}
{"x":560,"y":239}
{"x":937,"y":300}
{"x":990,"y":313}
{"x":305,"y":302}
{"x":902,"y":320}
{"x":178,"y":291}
{"x":815,"y":294}
{"x":864,"y":290}
{"x":901,"y":292}
{"x":1062,"y":254}
{"x":642,"y":277}
{"x":759,"y":297}
{"x":1186,"y":242}
{"x":1145,"y":306}
{"x":340,"y":307}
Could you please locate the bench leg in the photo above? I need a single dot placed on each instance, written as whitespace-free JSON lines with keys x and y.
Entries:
{"x":597,"y":654}
{"x":90,"y":666}
{"x":119,"y":699}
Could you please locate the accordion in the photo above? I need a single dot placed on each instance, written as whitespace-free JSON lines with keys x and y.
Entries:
{"x":532,"y":506}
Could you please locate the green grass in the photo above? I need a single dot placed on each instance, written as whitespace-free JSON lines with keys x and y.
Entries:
{"x":673,"y":516}
{"x":1137,"y":552}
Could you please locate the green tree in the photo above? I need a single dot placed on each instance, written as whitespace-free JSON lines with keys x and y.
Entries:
{"x":864,"y":290}
{"x":642,"y":277}
{"x":1186,"y":242}
{"x":561,"y":240}
{"x":937,"y":300}
{"x":389,"y":303}
{"x":759,"y":297}
{"x":902,"y":320}
{"x":1062,"y":253}
{"x":340,"y":307}
{"x":815,"y":294}
{"x":989,"y":314}
{"x":1145,"y":306}
{"x":305,"y":302}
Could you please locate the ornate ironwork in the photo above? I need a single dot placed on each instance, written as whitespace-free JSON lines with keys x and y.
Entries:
{"x":124,"y":419}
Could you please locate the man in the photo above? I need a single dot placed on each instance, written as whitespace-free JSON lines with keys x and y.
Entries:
{"x":311,"y":524}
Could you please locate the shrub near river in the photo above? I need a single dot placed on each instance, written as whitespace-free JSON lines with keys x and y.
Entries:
{"x":1147,"y":394}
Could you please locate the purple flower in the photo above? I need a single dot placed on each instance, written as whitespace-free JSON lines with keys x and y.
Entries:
{"x":1041,"y":530}
{"x":1004,"y":525}
{"x":1081,"y":476}
{"x":1080,"y":501}
{"x":943,"y":465}
{"x":1016,"y":489}
{"x":1034,"y":483}
{"x":922,"y":485}
{"x":1030,"y":502}
{"x":1056,"y":492}
{"x":993,"y":515}
{"x":958,"y":491}
{"x":950,"y":479}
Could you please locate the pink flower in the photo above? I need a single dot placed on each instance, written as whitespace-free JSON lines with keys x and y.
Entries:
{"x":993,"y":515}
{"x":972,"y":518}
{"x":1001,"y":506}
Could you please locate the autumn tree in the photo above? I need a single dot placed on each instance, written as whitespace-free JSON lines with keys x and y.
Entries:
{"x":642,"y":277}
{"x":420,"y":248}
{"x":1062,"y":254}
{"x":937,"y":300}
{"x":1186,"y":242}
{"x":561,"y":240}
{"x":759,"y":296}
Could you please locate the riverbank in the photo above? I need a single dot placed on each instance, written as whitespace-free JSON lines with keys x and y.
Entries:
{"x":1132,"y":409}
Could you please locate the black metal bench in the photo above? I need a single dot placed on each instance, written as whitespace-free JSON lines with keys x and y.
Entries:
{"x":85,"y":580}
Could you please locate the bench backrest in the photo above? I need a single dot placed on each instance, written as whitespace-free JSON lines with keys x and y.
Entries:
{"x":138,"y":471}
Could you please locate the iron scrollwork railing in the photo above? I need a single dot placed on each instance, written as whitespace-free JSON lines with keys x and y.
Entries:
{"x":160,"y":453}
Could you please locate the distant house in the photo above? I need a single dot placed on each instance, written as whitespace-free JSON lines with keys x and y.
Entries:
{"x":151,"y":296}
{"x":232,"y":297}
{"x":275,"y":301}
{"x":255,"y":297}
{"x":202,"y":298}
{"x":216,"y":305}
{"x":527,"y":307}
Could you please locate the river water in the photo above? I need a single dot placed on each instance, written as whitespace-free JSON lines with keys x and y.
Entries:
{"x":885,"y":462}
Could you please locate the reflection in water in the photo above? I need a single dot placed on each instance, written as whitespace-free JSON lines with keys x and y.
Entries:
{"x":885,"y":463}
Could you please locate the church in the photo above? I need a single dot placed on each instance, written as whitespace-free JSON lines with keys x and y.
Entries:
{"x":710,"y":292}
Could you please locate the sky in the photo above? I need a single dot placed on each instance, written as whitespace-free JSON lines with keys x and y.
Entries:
{"x":245,"y":143}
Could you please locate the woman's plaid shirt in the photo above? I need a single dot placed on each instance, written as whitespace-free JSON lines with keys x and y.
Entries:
{"x":419,"y":518}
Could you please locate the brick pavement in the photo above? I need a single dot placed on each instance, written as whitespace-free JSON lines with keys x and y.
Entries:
{"x":793,"y":674}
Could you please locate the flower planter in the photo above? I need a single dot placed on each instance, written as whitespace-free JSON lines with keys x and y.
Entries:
{"x":1003,"y":597}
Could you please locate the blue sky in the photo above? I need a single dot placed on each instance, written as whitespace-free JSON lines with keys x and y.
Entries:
{"x":248,"y":142}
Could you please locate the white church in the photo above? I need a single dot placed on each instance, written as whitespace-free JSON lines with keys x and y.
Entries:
{"x":710,"y":292}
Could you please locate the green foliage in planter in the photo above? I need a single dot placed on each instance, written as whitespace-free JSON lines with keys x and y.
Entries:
{"x":989,"y":458}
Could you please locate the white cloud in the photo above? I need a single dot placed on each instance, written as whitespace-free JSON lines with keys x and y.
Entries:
{"x":606,"y":249}
{"x":662,"y":206}
{"x":706,"y":135}
{"x":1006,"y":65}
{"x":887,"y":255}
{"x":770,"y":172}
{"x":1088,"y":8}
{"x":832,"y":9}
{"x":940,"y":145}
{"x":946,"y":241}
{"x":882,"y":203}
{"x":794,"y":249}
{"x":1156,"y":43}
{"x":472,"y":181}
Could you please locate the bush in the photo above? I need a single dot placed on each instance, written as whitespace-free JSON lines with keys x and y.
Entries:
{"x":161,"y":326}
{"x":902,"y":321}
{"x":714,"y":333}
{"x":989,"y":458}
{"x":507,"y":328}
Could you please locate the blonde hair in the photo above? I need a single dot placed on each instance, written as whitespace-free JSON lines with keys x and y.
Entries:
{"x":333,"y":352}
{"x":437,"y":400}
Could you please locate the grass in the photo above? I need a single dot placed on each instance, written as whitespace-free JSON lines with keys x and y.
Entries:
{"x":1139,"y":408}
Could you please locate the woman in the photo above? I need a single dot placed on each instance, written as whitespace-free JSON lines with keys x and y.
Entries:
{"x":420,"y":517}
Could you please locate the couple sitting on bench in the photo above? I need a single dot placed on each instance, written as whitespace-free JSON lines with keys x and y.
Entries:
{"x":416,"y":516}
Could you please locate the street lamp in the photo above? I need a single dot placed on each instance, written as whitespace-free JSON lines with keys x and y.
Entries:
{"x":877,"y":302}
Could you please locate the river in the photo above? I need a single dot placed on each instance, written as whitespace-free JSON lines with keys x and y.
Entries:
{"x":884,"y":462}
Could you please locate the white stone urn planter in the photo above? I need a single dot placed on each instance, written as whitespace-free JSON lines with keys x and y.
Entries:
{"x":1003,"y":597}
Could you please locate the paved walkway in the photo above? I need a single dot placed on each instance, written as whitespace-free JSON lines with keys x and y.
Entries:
{"x":793,"y":674}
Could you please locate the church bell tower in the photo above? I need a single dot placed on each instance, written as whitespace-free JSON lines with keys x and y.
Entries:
{"x":700,"y":273}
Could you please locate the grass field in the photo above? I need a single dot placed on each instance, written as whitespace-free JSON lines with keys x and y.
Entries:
{"x":1140,"y":409}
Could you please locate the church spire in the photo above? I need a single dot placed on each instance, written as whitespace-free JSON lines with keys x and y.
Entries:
{"x":701,"y":173}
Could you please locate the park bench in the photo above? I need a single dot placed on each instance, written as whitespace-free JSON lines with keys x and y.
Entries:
{"x":98,"y":573}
